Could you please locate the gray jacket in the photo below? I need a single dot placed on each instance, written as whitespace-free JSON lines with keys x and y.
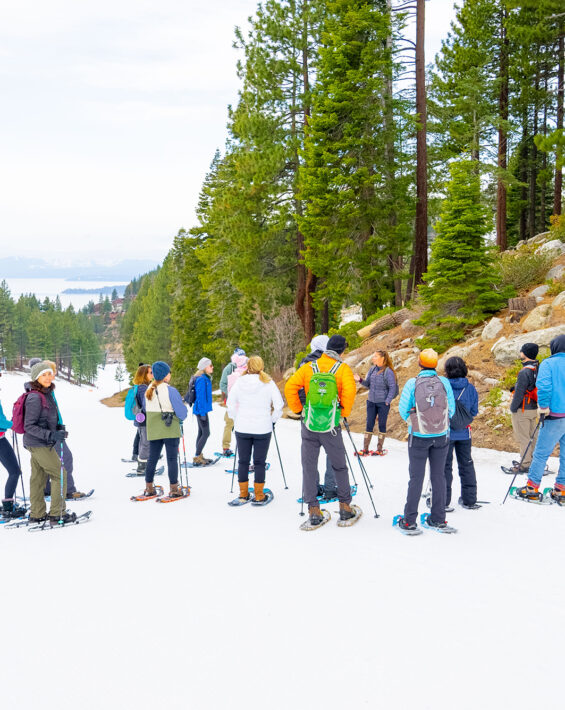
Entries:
{"x":382,"y":385}
{"x":40,"y":421}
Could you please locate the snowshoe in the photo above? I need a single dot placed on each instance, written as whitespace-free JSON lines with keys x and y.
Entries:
{"x":528,"y":493}
{"x":313,"y":524}
{"x":192,"y":464}
{"x":68,"y":520}
{"x":225,"y":454}
{"x":156,"y":493}
{"x":266,"y":500}
{"x":179,"y":494}
{"x":448,"y":508}
{"x":474,"y":506}
{"x":11,"y":510}
{"x":348,"y":515}
{"x":322,"y":498}
{"x":159,"y":471}
{"x":77,"y":495}
{"x":406,"y":528}
{"x":427,"y":522}
{"x":236,"y":502}
{"x":553,"y":495}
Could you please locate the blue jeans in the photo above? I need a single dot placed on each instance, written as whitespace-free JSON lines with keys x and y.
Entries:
{"x":552,"y":433}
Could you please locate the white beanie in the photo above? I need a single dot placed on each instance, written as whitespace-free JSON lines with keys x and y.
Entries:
{"x":319,"y":342}
{"x":204,"y":362}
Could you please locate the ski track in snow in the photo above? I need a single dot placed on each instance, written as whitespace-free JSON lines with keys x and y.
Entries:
{"x":197,"y":604}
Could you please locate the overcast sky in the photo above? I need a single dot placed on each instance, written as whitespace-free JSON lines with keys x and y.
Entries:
{"x":111,"y":112}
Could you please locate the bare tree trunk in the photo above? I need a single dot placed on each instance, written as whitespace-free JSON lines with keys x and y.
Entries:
{"x":542,"y":219}
{"x":326,"y":317}
{"x":501,"y":235}
{"x":533,"y":164}
{"x":559,"y":153}
{"x":524,"y":177}
{"x":420,"y":262}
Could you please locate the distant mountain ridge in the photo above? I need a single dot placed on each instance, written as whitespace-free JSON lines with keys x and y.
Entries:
{"x":24,"y":267}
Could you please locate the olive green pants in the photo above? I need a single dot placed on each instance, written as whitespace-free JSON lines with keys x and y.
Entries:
{"x":226,"y":438}
{"x":46,"y":464}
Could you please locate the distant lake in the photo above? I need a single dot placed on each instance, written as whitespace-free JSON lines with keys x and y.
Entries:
{"x":51,"y":288}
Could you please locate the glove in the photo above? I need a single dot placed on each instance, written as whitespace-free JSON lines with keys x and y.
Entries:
{"x":543,"y":410}
{"x":56,"y":437}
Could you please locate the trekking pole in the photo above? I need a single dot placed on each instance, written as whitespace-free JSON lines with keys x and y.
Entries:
{"x":234,"y":465}
{"x":540,"y":421}
{"x":17,"y":450}
{"x":62,"y":485}
{"x":280,"y":460}
{"x":364,"y":473}
{"x":361,"y":464}
{"x":184,"y":455}
{"x":350,"y":466}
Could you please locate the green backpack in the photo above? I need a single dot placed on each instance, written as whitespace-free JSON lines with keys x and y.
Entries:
{"x":321,"y":410}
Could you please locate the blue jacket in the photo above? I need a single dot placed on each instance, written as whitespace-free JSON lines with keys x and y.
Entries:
{"x":408,"y":402}
{"x":140,"y":397}
{"x":551,"y":383}
{"x":470,"y":398}
{"x":5,"y":423}
{"x":203,"y":403}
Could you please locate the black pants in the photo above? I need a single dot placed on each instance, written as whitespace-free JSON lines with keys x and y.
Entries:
{"x":10,"y":462}
{"x":203,"y":433}
{"x":420,"y":450}
{"x":374,"y":410}
{"x":155,"y":448}
{"x":466,"y":471}
{"x":259,"y":443}
{"x":136,"y":444}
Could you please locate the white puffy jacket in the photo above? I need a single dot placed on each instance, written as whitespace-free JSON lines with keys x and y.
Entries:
{"x":254,"y":405}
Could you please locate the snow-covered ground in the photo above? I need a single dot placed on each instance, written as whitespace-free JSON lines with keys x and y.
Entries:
{"x":199,"y":605}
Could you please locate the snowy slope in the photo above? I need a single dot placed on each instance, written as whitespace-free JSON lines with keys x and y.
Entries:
{"x":196,"y":604}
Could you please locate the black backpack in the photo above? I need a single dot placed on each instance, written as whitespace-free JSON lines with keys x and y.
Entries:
{"x":190,"y":396}
{"x":462,"y":417}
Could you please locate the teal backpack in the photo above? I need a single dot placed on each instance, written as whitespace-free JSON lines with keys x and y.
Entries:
{"x":131,"y":407}
{"x":321,"y":410}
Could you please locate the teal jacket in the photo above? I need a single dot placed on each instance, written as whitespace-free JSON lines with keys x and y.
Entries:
{"x":408,"y":402}
{"x":5,"y":424}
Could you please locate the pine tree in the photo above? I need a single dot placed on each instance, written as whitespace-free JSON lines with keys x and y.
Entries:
{"x":459,"y":281}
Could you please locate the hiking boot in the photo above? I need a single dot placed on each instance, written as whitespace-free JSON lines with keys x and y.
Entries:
{"x":199,"y":460}
{"x":134,"y":457}
{"x":380,"y":442}
{"x":367,"y":441}
{"x":207,"y":461}
{"x":38,"y":520}
{"x":403,"y":525}
{"x":558,"y":494}
{"x":529,"y":492}
{"x":75,"y":496}
{"x":516,"y":468}
{"x":244,"y":490}
{"x":149,"y":490}
{"x":258,"y":490}
{"x":11,"y":510}
{"x":62,"y":519}
{"x":315,"y":515}
{"x":433,"y":524}
{"x":346,"y":512}
{"x":227,"y":453}
{"x":141,"y":466}
{"x":449,"y":508}
{"x":176,"y":491}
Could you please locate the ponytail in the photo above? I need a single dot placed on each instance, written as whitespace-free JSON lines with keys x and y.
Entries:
{"x":255,"y":366}
{"x":152,"y":387}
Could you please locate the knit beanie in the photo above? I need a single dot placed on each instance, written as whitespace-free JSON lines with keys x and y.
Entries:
{"x":40,"y":368}
{"x":530,"y":350}
{"x":239,"y":351}
{"x":204,"y":362}
{"x":337,"y":343}
{"x":160,"y":370}
{"x":428,"y":359}
{"x":319,"y":342}
{"x":34,"y":361}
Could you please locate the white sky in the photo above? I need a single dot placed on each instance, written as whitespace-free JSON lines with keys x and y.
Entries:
{"x":111,"y":112}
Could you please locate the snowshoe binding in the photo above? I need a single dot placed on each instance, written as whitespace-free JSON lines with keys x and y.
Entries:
{"x":404,"y":527}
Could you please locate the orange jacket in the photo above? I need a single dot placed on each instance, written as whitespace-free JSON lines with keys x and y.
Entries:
{"x":346,"y":386}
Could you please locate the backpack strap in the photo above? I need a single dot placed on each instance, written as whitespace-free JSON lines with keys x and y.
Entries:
{"x":335,"y":368}
{"x":460,"y":393}
{"x":315,"y":367}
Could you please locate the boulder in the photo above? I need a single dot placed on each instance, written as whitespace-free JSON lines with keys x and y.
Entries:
{"x":405,"y":341}
{"x":506,"y":350}
{"x":399,"y":355}
{"x":540,"y":291}
{"x":409,"y":361}
{"x":539,"y":318}
{"x":555,"y":273}
{"x":559,"y":301}
{"x":492,"y":329}
{"x":289,"y":373}
{"x":555,"y":246}
{"x":407,"y":324}
{"x":491,"y":381}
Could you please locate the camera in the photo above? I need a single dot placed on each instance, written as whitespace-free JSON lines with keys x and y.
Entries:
{"x":167,"y":417}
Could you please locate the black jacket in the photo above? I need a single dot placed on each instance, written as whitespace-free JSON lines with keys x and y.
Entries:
{"x":526,"y":381}
{"x":40,"y":421}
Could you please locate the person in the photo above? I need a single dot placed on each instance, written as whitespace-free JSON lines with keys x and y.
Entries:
{"x":43,"y":438}
{"x":524,"y":407}
{"x":383,"y":388}
{"x":201,"y":407}
{"x":250,"y":401}
{"x":332,"y":441}
{"x":460,"y":439}
{"x":427,"y":403}
{"x":68,"y":460}
{"x":142,"y":378}
{"x":329,"y":490}
{"x":551,"y":409}
{"x":164,"y":411}
{"x":135,"y":449}
{"x":8,"y":459}
{"x":228,"y":428}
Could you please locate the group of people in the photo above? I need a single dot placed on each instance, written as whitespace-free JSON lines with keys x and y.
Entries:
{"x":438,"y":410}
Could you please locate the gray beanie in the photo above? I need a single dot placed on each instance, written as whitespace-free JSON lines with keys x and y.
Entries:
{"x":319,"y":342}
{"x":39,"y":368}
{"x":34,"y":361}
{"x":204,"y":362}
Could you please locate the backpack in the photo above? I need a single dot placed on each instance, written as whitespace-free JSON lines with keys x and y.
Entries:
{"x":190,"y":396}
{"x":321,"y":410}
{"x":395,"y":383}
{"x":462,"y":417}
{"x":131,"y":405}
{"x":531,"y":395}
{"x":235,"y":375}
{"x":18,"y":411}
{"x":430,"y":416}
